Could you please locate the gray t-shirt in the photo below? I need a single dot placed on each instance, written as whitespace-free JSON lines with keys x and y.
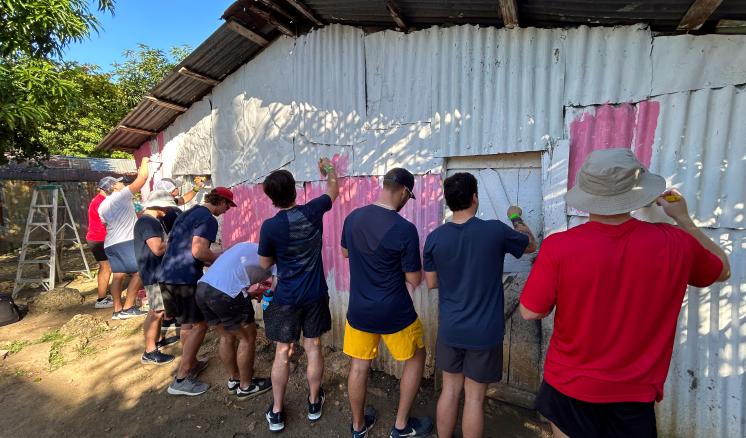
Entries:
{"x":117,"y":212}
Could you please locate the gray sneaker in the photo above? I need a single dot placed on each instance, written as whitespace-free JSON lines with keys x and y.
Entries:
{"x":189,"y":386}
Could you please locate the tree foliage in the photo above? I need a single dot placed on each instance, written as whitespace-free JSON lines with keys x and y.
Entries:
{"x":50,"y":106}
{"x":143,"y":68}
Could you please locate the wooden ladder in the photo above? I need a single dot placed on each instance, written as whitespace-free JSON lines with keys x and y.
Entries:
{"x":42,"y":225}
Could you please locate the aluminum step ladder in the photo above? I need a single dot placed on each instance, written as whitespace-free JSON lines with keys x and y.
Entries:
{"x":42,"y":231}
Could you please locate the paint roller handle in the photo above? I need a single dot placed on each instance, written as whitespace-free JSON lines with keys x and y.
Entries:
{"x":325,"y":166}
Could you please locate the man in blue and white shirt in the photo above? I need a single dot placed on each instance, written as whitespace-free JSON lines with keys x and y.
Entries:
{"x":223,"y":297}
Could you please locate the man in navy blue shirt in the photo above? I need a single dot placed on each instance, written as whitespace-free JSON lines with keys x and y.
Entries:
{"x":186,"y":255}
{"x":464,"y":259}
{"x":150,"y":245}
{"x":384,"y":253}
{"x":292,"y":240}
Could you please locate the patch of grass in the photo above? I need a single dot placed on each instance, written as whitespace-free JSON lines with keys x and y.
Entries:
{"x":84,"y":348}
{"x":50,"y":336}
{"x":15,"y":346}
{"x":56,"y":359}
{"x":20,"y":373}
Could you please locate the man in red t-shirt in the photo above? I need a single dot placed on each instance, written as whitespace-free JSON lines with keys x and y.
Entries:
{"x":95,"y":238}
{"x":617,"y":284}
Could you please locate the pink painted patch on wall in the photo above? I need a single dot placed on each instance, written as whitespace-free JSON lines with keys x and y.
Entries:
{"x":244,"y":222}
{"x":612,"y":126}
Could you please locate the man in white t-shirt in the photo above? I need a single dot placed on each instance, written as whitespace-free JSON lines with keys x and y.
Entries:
{"x":223,"y":297}
{"x":118,"y":215}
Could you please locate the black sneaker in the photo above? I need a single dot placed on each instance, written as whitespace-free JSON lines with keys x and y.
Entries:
{"x":416,"y":427}
{"x":275,"y":420}
{"x":168,"y":323}
{"x":315,"y":409}
{"x":165,"y":342}
{"x":370,"y":420}
{"x":233,"y":385}
{"x":155,"y":357}
{"x":257,"y":386}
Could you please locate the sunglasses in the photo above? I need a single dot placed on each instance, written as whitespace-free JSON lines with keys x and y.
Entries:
{"x":409,"y":192}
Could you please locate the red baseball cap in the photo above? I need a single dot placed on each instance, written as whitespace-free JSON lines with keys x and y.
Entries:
{"x":225,"y":193}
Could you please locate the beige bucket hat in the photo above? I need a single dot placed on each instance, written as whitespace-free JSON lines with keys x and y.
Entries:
{"x":613,"y":181}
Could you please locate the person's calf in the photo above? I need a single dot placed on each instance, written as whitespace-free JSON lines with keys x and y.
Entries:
{"x":280,"y":373}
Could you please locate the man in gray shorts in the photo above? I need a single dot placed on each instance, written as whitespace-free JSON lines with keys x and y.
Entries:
{"x":150,"y":245}
{"x":223,"y":297}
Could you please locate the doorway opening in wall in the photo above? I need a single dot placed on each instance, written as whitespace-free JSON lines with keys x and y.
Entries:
{"x":504,"y":180}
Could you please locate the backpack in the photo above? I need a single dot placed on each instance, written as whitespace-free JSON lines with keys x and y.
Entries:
{"x":8,"y":311}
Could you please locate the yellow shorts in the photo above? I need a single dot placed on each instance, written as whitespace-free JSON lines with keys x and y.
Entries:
{"x":402,"y":345}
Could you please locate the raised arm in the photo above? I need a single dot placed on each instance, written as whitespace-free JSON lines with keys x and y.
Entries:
{"x":142,"y":176}
{"x":332,"y":186}
{"x":679,"y":212}
{"x":514,"y":214}
{"x":199,"y":183}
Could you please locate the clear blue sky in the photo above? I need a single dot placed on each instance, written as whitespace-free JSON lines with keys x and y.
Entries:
{"x":158,"y":23}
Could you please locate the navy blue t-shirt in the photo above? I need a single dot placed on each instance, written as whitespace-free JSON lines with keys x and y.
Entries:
{"x":293,"y":237}
{"x":179,"y":266}
{"x":382,"y":246}
{"x":469,"y":260}
{"x":148,"y":263}
{"x":170,"y":218}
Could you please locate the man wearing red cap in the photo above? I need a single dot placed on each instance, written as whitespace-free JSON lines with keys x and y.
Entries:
{"x":186,"y":255}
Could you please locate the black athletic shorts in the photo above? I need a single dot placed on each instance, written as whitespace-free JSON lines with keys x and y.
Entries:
{"x":481,"y":366}
{"x":97,"y":248}
{"x":579,"y":419}
{"x":220,"y":309}
{"x":284,"y":323}
{"x":179,"y":302}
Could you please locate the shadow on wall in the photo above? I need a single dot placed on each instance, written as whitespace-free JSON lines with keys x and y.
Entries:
{"x":707,"y":371}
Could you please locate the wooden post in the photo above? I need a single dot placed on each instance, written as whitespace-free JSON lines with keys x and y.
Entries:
{"x":136,"y":130}
{"x":166,"y":104}
{"x":509,"y":12}
{"x":698,"y":13}
{"x":247,"y":33}
{"x":198,"y":77}
{"x":305,"y":10}
{"x":396,"y":14}
{"x":266,"y":16}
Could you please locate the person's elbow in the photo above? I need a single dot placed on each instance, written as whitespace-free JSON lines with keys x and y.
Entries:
{"x":530,"y":315}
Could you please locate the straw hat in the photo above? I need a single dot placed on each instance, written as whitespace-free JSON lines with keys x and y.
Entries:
{"x":159,"y":199}
{"x":613,"y":181}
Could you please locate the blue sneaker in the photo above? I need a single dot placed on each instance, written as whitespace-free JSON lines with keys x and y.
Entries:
{"x":155,"y":357}
{"x":315,"y":409}
{"x":416,"y":427}
{"x":275,"y":420}
{"x":132,"y":312}
{"x":370,"y":420}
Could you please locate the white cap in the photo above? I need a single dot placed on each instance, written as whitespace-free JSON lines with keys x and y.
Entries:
{"x":167,"y":184}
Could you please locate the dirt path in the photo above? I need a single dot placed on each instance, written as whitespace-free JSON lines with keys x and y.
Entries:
{"x":87,"y":386}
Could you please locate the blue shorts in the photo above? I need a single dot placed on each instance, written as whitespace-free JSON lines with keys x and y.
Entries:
{"x":122,"y":257}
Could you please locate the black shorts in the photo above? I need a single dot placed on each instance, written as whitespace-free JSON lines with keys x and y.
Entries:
{"x":579,"y":419}
{"x":97,"y":248}
{"x":220,"y":309}
{"x":179,"y":302}
{"x":284,"y":323}
{"x":481,"y":366}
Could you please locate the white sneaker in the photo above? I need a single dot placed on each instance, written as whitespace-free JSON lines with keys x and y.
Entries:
{"x":105,"y":303}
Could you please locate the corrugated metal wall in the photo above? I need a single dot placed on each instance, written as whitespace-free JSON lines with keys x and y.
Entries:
{"x":384,"y":99}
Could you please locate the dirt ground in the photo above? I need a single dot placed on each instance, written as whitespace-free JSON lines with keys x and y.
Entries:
{"x":85,"y":379}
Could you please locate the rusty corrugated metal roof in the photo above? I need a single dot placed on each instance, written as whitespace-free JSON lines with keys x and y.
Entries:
{"x":226,"y":50}
{"x":61,"y":168}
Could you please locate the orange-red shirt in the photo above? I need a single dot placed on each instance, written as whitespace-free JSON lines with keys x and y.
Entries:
{"x":618,"y":290}
{"x":96,"y":229}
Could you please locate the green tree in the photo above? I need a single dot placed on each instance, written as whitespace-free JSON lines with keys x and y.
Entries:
{"x":33,"y":86}
{"x":91,"y":111}
{"x":143,"y":68}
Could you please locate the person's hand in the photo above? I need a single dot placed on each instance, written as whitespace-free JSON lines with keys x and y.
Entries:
{"x":514,"y":209}
{"x":325,"y":166}
{"x":677,"y":209}
{"x":199,"y":181}
{"x":145,"y":160}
